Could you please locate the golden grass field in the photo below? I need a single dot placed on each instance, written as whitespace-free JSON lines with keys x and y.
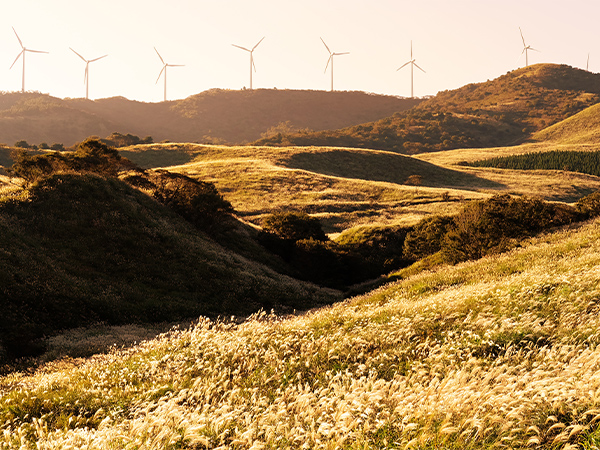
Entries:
{"x":346,"y":187}
{"x":497,"y":353}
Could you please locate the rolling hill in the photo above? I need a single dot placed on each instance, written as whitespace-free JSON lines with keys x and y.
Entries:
{"x":582,"y":128}
{"x":77,"y":249}
{"x":495,"y":113}
{"x":498,"y":353}
{"x":216,"y":115}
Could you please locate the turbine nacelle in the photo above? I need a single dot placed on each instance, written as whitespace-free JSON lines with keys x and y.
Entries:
{"x":164,"y":69}
{"x":252,"y":65}
{"x":22,"y":54}
{"x":330,"y":59}
{"x":412,"y":65}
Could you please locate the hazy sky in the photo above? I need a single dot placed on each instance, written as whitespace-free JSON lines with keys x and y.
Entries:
{"x":455,"y":41}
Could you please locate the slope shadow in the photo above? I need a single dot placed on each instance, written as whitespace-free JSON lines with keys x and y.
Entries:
{"x":380,"y":166}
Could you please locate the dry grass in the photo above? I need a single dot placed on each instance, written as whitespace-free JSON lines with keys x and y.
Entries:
{"x":261,"y":180}
{"x":499,"y":353}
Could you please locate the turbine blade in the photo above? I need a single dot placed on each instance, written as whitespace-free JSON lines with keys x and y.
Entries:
{"x":524,"y":44}
{"x":411,"y":52}
{"x":535,"y":50}
{"x":325,"y":45}
{"x":243,"y":48}
{"x":20,"y":43}
{"x":252,"y":61}
{"x":161,"y":60}
{"x":34,"y":51}
{"x":161,"y":72}
{"x":86,"y":73}
{"x":418,"y":67}
{"x":343,"y":53}
{"x":258,"y":43}
{"x":16,"y":59}
{"x":78,"y":54}
{"x":403,"y":65}
{"x":175,"y":65}
{"x":327,"y":65}
{"x":96,"y":59}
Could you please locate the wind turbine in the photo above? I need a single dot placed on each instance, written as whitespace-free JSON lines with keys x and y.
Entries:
{"x":164,"y":69}
{"x":413,"y":64}
{"x":251,"y":58}
{"x":526,"y":48}
{"x":331,"y":55}
{"x":587,"y":66}
{"x":86,"y":78}
{"x":23,"y":51}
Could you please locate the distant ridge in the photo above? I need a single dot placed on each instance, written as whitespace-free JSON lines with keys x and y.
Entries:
{"x":500,"y":112}
{"x":217,"y":115}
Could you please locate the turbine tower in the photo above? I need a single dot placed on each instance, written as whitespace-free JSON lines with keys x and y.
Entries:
{"x":164,"y":69}
{"x":331,"y":55}
{"x":251,"y":58}
{"x":526,"y":48}
{"x":86,"y":78}
{"x":23,"y":51}
{"x":413,"y":64}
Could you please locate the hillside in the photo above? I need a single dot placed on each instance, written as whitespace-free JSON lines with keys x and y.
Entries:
{"x":582,"y":128}
{"x":495,"y":113}
{"x":214,"y":115}
{"x":82,"y":249}
{"x":502,"y":352}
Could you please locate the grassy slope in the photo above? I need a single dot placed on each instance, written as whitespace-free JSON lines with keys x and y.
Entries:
{"x":582,"y":128}
{"x":343,"y":187}
{"x":490,"y":114}
{"x":92,"y":250}
{"x":350,"y":187}
{"x":499,"y":352}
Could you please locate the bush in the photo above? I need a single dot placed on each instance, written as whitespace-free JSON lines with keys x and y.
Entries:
{"x":493,"y":225}
{"x":589,"y":206}
{"x":91,"y":156}
{"x":197,"y":201}
{"x":294,"y":226}
{"x":426,"y":237}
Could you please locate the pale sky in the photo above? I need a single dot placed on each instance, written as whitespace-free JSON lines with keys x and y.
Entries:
{"x":455,"y":41}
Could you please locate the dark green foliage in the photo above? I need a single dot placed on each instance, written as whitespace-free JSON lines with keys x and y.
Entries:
{"x":378,"y":250}
{"x":117,"y":139}
{"x":91,"y":156}
{"x":589,"y":206}
{"x":426,"y":237}
{"x":582,"y":162}
{"x":22,"y":144}
{"x":197,"y":201}
{"x":492,"y":226}
{"x":294,"y":226}
{"x":484,"y":227}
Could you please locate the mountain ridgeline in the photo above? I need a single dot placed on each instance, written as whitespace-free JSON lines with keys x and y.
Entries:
{"x":500,"y":112}
{"x":215,"y":116}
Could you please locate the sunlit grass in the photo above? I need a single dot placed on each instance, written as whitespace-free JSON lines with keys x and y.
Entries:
{"x":258,"y":181}
{"x":502,"y":352}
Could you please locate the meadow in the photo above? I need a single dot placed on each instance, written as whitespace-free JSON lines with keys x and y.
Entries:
{"x":496,"y":353}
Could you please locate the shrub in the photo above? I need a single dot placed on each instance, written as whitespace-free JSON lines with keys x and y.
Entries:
{"x":197,"y":201}
{"x":589,"y":206}
{"x":91,"y":156}
{"x":294,"y":226}
{"x":426,"y":237}
{"x":492,"y":226}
